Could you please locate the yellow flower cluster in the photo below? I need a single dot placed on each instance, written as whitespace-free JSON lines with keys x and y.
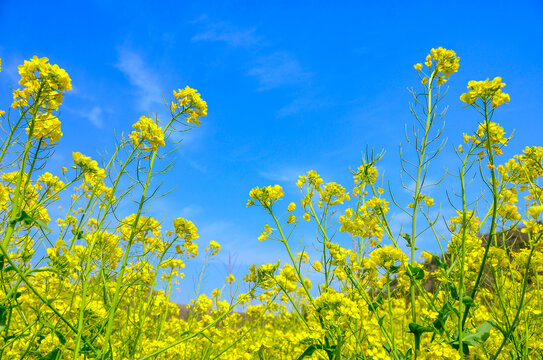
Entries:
{"x":312,"y":180}
{"x":46,"y":128}
{"x":366,"y":222}
{"x":35,"y":192}
{"x":366,"y":174}
{"x":333,"y":194}
{"x":486,"y":91}
{"x":44,"y":85}
{"x":215,"y":247}
{"x":185,"y":229}
{"x":266,"y":233}
{"x":422,"y":199}
{"x":488,"y":132}
{"x":266,"y":196}
{"x":41,"y":80}
{"x":387,"y":256}
{"x":147,"y":130}
{"x":146,"y":231}
{"x":521,"y":169}
{"x":291,"y":207}
{"x":446,"y":63}
{"x":106,"y":286}
{"x":189,"y":102}
{"x":93,"y":176}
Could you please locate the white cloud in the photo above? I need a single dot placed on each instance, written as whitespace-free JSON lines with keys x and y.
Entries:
{"x":140,"y":76}
{"x":278,"y":69}
{"x":229,"y":34}
{"x":283,"y":174}
{"x":273,"y":69}
{"x":304,"y":103}
{"x":94,"y":116}
{"x":189,"y":211}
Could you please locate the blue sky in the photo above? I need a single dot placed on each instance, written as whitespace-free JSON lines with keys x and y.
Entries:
{"x":290,"y":88}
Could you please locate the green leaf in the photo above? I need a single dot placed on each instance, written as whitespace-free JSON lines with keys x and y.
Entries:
{"x":29,"y":220}
{"x":1,"y":261}
{"x":308,"y":352}
{"x":407,"y":238}
{"x":375,"y":305}
{"x":417,"y":273}
{"x":3,"y":317}
{"x":43,"y":226}
{"x":387,"y":348}
{"x":417,"y":330}
{"x":439,"y":263}
{"x":482,"y":333}
{"x":393,"y":269}
{"x":454,"y":292}
{"x":467,"y":300}
{"x":443,"y":315}
{"x":53,"y":355}
{"x":77,"y":233}
{"x":61,"y":337}
{"x":475,"y":338}
{"x":312,"y":348}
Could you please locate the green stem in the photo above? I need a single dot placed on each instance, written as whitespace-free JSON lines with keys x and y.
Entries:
{"x":418,"y":189}
{"x":494,"y":212}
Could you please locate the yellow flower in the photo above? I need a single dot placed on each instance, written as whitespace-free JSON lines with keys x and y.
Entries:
{"x":307,"y":217}
{"x":190,"y":103}
{"x":185,"y":229}
{"x":266,"y":195}
{"x":428,"y":61}
{"x":428,"y":201}
{"x":38,"y":76}
{"x":291,"y":219}
{"x":534,"y":211}
{"x":460,"y":149}
{"x":46,"y":128}
{"x":302,"y":256}
{"x":215,"y":247}
{"x":147,"y":130}
{"x":317,"y":266}
{"x":291,"y":206}
{"x":230,"y":279}
{"x":486,"y":91}
{"x":333,"y":194}
{"x":445,"y":64}
{"x":266,"y":233}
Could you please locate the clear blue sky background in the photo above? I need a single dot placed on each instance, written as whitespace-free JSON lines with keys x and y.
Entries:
{"x":290,"y":87}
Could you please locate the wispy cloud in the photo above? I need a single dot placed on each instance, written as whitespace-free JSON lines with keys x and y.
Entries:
{"x":189,"y":211}
{"x":94,"y":116}
{"x":283,"y":174}
{"x":146,"y":82}
{"x":308,"y":101}
{"x":278,"y":69}
{"x":271,"y":69}
{"x":227,"y":33}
